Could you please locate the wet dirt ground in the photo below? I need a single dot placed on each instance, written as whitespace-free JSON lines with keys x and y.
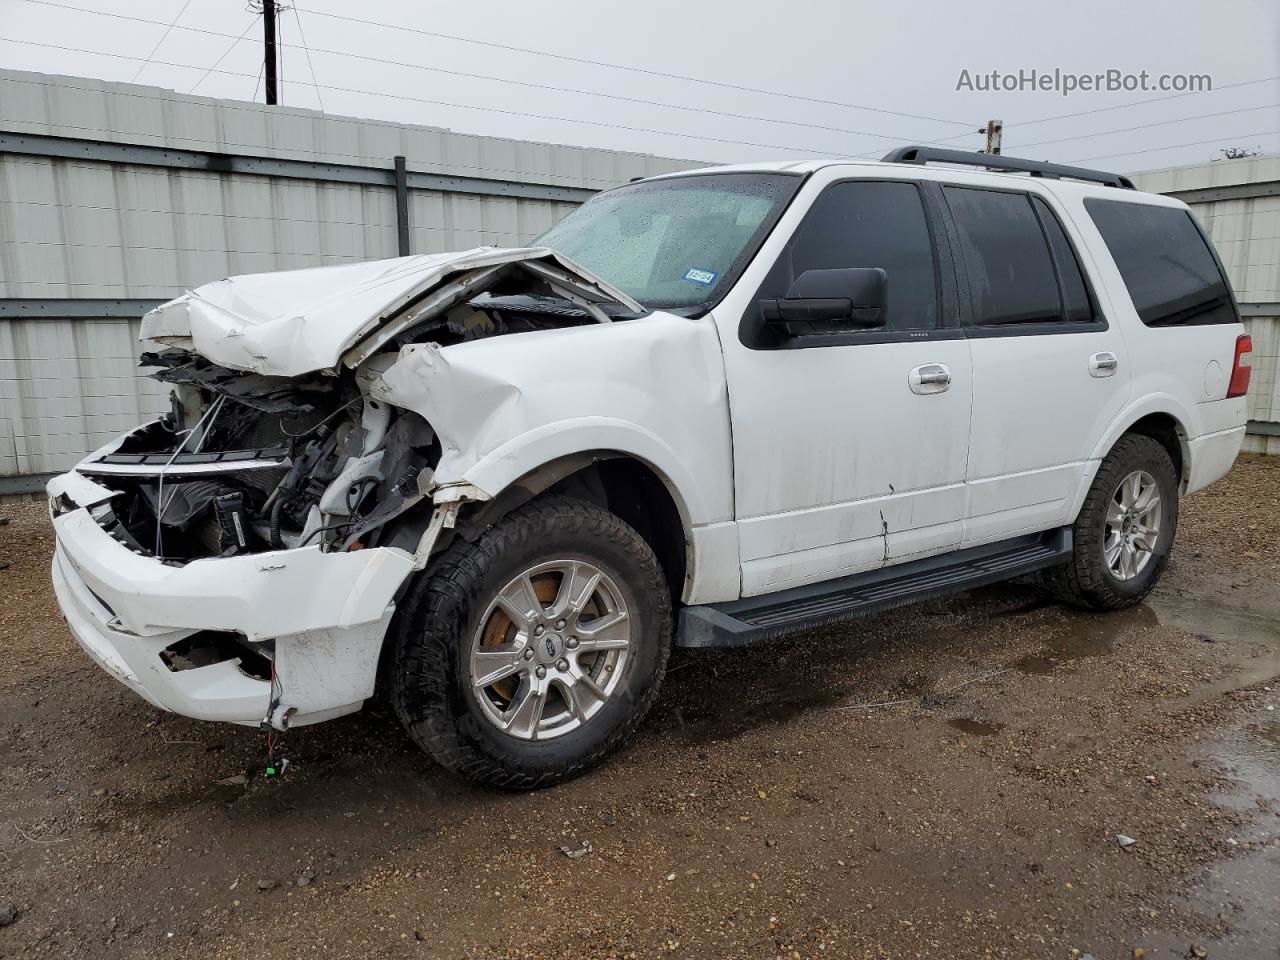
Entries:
{"x":944,"y":781}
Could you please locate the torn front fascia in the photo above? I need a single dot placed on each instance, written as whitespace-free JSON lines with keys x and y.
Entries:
{"x":237,"y":464}
{"x":345,"y":459}
{"x":339,"y":466}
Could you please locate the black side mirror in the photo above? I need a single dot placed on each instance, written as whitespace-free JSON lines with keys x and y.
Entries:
{"x":853,"y":295}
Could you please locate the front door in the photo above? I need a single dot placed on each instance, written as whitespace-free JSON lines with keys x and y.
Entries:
{"x":850,"y":443}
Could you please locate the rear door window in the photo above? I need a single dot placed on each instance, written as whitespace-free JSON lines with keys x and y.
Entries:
{"x":1170,"y":271}
{"x":1007,"y":257}
{"x":1077,"y":305}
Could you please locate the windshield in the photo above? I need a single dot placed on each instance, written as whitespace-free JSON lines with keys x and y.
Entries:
{"x":674,"y":243}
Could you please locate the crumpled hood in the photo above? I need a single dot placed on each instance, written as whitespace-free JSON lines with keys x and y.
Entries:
{"x":297,"y":321}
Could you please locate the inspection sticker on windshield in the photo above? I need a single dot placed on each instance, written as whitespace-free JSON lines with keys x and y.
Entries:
{"x":704,"y":277}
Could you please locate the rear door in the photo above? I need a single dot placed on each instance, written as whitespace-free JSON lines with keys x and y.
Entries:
{"x":849,"y":444}
{"x":1049,"y":372}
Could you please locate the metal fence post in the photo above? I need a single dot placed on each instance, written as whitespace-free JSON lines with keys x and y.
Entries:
{"x":402,"y":207}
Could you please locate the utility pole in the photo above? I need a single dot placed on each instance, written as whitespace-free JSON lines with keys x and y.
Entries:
{"x":993,"y":129}
{"x":269,"y":48}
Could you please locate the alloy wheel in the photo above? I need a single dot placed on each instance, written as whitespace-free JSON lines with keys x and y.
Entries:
{"x":1132,"y":525}
{"x":550,"y":649}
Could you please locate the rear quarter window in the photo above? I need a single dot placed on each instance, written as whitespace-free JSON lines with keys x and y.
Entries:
{"x":1168,"y":267}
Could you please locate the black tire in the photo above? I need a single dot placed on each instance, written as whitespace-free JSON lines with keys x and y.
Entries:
{"x":430,"y":686}
{"x":1086,"y":580}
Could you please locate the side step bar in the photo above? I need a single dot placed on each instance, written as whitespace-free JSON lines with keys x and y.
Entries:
{"x":739,"y":622}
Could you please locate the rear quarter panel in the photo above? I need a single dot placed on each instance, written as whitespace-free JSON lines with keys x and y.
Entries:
{"x":1181,"y":370}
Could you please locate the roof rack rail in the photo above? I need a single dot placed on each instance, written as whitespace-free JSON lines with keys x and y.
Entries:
{"x":996,"y":161}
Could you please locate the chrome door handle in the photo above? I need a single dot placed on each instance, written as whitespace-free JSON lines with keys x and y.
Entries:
{"x":929,"y":378}
{"x":1103,"y":364}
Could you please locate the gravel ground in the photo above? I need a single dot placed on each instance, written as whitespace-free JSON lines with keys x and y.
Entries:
{"x":763,"y":811}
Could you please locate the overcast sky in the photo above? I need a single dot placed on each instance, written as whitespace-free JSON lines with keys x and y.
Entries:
{"x":900,"y":57}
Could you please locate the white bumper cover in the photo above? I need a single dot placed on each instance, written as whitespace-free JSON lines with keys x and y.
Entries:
{"x":1212,"y":456}
{"x":326,"y":612}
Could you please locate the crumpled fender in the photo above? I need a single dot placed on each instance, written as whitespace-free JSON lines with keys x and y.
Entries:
{"x":653,"y":388}
{"x":462,"y":400}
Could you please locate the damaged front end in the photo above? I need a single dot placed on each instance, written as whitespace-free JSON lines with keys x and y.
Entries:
{"x":239,"y":558}
{"x":245,"y":463}
{"x":258,"y":455}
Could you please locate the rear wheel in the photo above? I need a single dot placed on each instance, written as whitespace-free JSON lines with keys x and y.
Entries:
{"x":1125,"y":530}
{"x":526,"y":657}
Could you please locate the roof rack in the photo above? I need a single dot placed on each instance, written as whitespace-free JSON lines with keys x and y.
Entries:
{"x":996,"y":161}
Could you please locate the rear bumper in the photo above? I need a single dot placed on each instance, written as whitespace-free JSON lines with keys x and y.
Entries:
{"x":1212,"y":455}
{"x":325,"y":615}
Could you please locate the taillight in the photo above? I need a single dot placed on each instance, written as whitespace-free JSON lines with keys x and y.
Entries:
{"x":1240,"y":369}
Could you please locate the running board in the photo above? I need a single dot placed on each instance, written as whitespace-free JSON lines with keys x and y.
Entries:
{"x":739,"y":622}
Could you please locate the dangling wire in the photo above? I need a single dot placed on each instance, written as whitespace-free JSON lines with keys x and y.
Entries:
{"x":161,"y":506}
{"x":273,"y":769}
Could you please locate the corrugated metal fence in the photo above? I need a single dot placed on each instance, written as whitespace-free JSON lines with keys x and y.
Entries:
{"x":116,"y":197}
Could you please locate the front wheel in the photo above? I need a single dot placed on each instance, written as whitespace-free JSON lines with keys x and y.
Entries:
{"x":1125,"y":530}
{"x":528,"y":656}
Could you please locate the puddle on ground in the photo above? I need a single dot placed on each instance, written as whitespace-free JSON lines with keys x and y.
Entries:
{"x":1071,"y":636}
{"x":1217,"y":623}
{"x":1083,"y":635}
{"x":1241,"y":894}
{"x":1251,"y":757}
{"x":975,"y":728}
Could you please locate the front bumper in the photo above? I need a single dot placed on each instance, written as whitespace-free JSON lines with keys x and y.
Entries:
{"x":325,"y":613}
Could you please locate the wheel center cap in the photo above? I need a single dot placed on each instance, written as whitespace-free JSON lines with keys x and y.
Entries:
{"x":549,"y":647}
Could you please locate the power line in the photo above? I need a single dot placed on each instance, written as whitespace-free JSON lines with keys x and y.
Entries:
{"x":382,"y":94}
{"x":701,"y":111}
{"x":788,"y":147}
{"x":1120,"y":106}
{"x":1147,"y":126}
{"x":142,"y":66}
{"x":214,"y":67}
{"x":1176,"y":146}
{"x":257,"y":83}
{"x":1138,"y":103}
{"x":401,"y":28}
{"x":310,"y":66}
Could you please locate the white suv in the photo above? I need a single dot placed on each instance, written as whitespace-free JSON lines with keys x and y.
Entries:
{"x":704,"y":409}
